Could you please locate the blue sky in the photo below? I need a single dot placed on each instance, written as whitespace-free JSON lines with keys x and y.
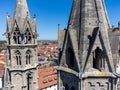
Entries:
{"x":50,"y":13}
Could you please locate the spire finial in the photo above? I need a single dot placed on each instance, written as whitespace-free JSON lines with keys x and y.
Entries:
{"x":34,"y":16}
{"x":58,"y":26}
{"x":7,"y":14}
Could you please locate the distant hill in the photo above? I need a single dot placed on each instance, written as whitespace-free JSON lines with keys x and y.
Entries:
{"x":53,"y":41}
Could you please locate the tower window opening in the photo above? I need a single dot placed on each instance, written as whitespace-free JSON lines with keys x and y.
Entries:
{"x":18,"y":58}
{"x":28,"y":57}
{"x":70,"y":57}
{"x":28,"y":37}
{"x":17,"y":36}
{"x":98,"y":59}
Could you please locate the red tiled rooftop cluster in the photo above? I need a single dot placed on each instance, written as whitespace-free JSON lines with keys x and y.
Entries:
{"x":47,"y":77}
{"x":2,"y":62}
{"x":47,"y":50}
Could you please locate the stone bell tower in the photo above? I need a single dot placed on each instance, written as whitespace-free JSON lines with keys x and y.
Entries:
{"x":86,"y":61}
{"x":22,"y":61}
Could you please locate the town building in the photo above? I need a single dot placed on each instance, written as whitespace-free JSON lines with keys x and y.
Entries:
{"x":2,"y":67}
{"x":20,"y":64}
{"x":47,"y":51}
{"x":89,"y":57}
{"x":47,"y":78}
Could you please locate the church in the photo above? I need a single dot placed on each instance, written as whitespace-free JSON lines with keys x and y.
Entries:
{"x":21,"y":65}
{"x":89,"y":49}
{"x":23,"y":70}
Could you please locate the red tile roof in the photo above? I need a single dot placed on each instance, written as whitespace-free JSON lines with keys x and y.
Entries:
{"x":42,"y":57}
{"x":1,"y":73}
{"x":47,"y":77}
{"x":2,"y":62}
{"x":48,"y":50}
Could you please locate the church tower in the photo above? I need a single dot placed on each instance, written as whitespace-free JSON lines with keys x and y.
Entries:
{"x":21,"y":64}
{"x":86,"y":61}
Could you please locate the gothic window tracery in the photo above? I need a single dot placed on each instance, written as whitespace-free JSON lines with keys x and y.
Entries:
{"x":28,"y":37}
{"x":18,"y":58}
{"x":17,"y":36}
{"x":28,"y":57}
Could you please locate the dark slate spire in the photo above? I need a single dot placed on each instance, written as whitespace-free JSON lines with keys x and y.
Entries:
{"x":86,"y":57}
{"x":87,"y":9}
{"x":75,"y":14}
{"x":88,"y":29}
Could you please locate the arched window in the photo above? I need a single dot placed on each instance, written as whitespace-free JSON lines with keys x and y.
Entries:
{"x":28,"y":57}
{"x":17,"y":36}
{"x":28,"y":37}
{"x":70,"y":57}
{"x":98,"y":59}
{"x":18,"y":57}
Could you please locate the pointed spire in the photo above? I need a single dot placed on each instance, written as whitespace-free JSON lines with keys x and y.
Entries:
{"x":75,"y":15}
{"x":21,"y":9}
{"x":21,"y":12}
{"x":88,"y":29}
{"x":87,"y":11}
